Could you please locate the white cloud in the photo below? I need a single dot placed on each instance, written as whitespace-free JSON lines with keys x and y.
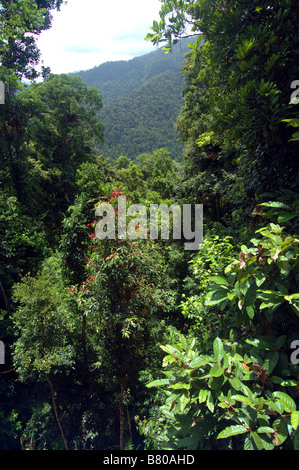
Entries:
{"x":86,"y":34}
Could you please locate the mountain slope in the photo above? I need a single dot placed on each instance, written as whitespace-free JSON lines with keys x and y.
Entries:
{"x":143,"y":121}
{"x":119,"y":78}
{"x":142,"y":98}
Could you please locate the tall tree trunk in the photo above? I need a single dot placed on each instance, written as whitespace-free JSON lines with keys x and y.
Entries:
{"x":129,"y":422}
{"x":121,"y":416}
{"x":55,"y":411}
{"x":84,"y":337}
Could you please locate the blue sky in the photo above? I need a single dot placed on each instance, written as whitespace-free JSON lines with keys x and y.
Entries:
{"x":86,"y":34}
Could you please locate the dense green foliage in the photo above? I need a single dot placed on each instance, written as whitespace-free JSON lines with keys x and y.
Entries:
{"x":138,"y":343}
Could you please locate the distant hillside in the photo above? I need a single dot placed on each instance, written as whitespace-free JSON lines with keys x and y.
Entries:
{"x":142,"y":99}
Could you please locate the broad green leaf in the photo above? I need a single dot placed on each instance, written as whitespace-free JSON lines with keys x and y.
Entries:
{"x":225,"y":362}
{"x":262,"y":442}
{"x":189,"y":443}
{"x":280,"y":341}
{"x":158,"y":383}
{"x":167,"y":413}
{"x":216,"y":371}
{"x":243,"y":399}
{"x":210,"y":402}
{"x":287,"y":401}
{"x":289,"y":383}
{"x":271,"y":303}
{"x":276,"y":204}
{"x":247,"y":391}
{"x":215,"y":383}
{"x":285,"y":217}
{"x":216,"y":296}
{"x":202,"y":395}
{"x":223,"y":404}
{"x":273,"y":361}
{"x":197,"y":362}
{"x":275,"y":406}
{"x":184,"y":400}
{"x":192,"y":343}
{"x":276,"y":380}
{"x":172,"y":397}
{"x":167,"y":360}
{"x":218,"y":350}
{"x":248,"y":444}
{"x":171,"y":350}
{"x":281,"y":431}
{"x":184,"y":342}
{"x":265,"y":429}
{"x":250,"y":296}
{"x":295,"y":419}
{"x":250,"y":311}
{"x":179,"y":386}
{"x":236,"y":383}
{"x":219,"y":280}
{"x":260,"y":278}
{"x":260,"y":343}
{"x":295,"y":137}
{"x":232,"y":431}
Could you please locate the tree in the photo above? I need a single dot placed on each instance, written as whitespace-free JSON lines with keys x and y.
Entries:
{"x":132,"y":179}
{"x":63,"y":131}
{"x":93,"y":180}
{"x":159,"y":171}
{"x":46,"y":325}
{"x":124,"y":300}
{"x":23,"y":246}
{"x":22,"y":23}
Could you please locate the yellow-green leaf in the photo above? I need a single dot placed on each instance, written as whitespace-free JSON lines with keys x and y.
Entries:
{"x":295,"y":419}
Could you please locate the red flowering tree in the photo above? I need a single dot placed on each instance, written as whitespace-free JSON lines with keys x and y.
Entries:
{"x":123,"y":300}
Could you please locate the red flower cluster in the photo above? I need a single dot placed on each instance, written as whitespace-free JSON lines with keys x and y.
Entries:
{"x":93,"y":224}
{"x":115,"y":193}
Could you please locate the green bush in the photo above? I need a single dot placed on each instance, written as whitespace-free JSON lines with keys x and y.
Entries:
{"x":241,"y":392}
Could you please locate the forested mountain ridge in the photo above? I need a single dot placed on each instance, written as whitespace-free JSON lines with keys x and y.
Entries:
{"x":142,"y":98}
{"x":144,"y":120}
{"x":119,"y":78}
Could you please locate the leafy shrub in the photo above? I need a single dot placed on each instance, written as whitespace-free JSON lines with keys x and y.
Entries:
{"x":210,"y":260}
{"x":241,"y":393}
